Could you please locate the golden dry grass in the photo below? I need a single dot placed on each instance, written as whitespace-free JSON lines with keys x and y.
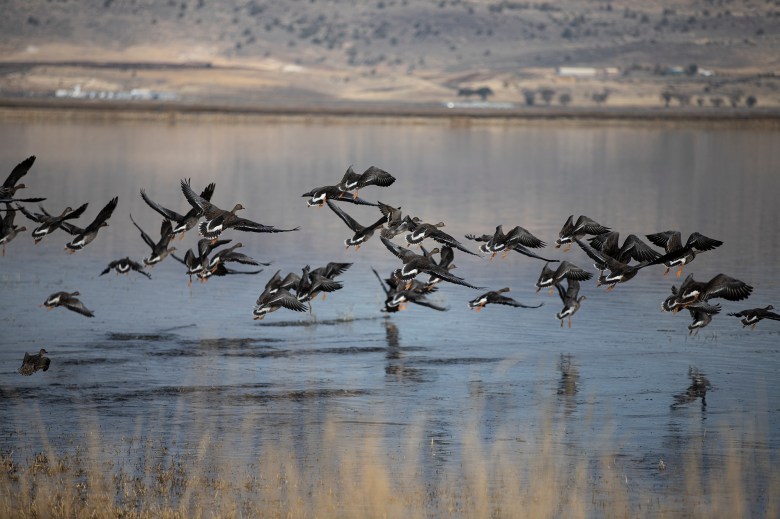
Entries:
{"x":318,"y":475}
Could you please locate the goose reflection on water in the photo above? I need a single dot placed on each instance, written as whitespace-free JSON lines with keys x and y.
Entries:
{"x":697,"y":389}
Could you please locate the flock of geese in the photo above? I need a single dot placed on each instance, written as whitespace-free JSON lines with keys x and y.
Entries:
{"x":616,"y":262}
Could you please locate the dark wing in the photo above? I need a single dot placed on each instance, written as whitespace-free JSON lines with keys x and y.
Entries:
{"x":726,"y":287}
{"x":140,"y":268}
{"x":602,"y":260}
{"x":635,"y":248}
{"x":474,"y":237}
{"x":208,"y":192}
{"x":590,"y":226}
{"x":37,"y":218}
{"x":28,"y":365}
{"x":166,"y":213}
{"x":701,"y":242}
{"x":568,"y":227}
{"x":103,"y":215}
{"x":222,"y":270}
{"x":351,"y":223}
{"x":504,"y":300}
{"x":702,"y":307}
{"x":570,"y":271}
{"x":397,"y":250}
{"x":205,"y":246}
{"x":446,"y":239}
{"x":605,"y":242}
{"x":19,"y":171}
{"x":447,"y":276}
{"x":523,"y":237}
{"x":71,"y":229}
{"x":381,"y":281}
{"x":669,"y":240}
{"x":393,"y":214}
{"x":446,"y":256}
{"x":423,"y":301}
{"x":75,"y":213}
{"x":287,"y":300}
{"x":242,"y":224}
{"x":71,"y":303}
{"x":347,"y":197}
{"x":530,"y":254}
{"x":332,"y":269}
{"x":147,"y":239}
{"x":196,"y":201}
{"x":375,"y":176}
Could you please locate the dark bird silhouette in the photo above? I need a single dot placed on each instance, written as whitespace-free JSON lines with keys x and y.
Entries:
{"x":619,"y":272}
{"x":222,"y":270}
{"x":752,"y":316}
{"x":572,"y":231}
{"x":281,"y":298}
{"x":230,"y":255}
{"x":720,"y":286}
{"x":197,"y":264}
{"x":633,"y":247}
{"x":396,"y":297}
{"x":50,"y":223}
{"x":496,"y":297}
{"x":11,"y":185}
{"x":160,"y":248}
{"x":9,"y":231}
{"x":84,"y":237}
{"x":571,"y":303}
{"x":696,"y":390}
{"x":69,"y":301}
{"x":34,"y":362}
{"x":318,"y":196}
{"x":420,"y":231}
{"x":373,"y":176}
{"x":677,"y":254}
{"x":701,"y":313}
{"x":124,"y":266}
{"x":181,"y":223}
{"x":361,"y":233}
{"x":415,"y":264}
{"x":550,"y":278}
{"x":219,"y":220}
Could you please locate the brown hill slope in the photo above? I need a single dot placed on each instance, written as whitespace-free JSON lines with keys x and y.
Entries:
{"x":698,"y":52}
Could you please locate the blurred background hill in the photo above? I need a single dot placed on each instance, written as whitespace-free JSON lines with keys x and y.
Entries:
{"x":696,"y":53}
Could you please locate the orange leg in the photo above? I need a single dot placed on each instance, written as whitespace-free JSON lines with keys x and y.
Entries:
{"x":569,"y":322}
{"x":567,"y":247}
{"x":503,"y":254}
{"x":666,"y":272}
{"x":679,"y":271}
{"x":552,"y":289}
{"x":324,"y":295}
{"x":611,"y":288}
{"x":753,"y":327}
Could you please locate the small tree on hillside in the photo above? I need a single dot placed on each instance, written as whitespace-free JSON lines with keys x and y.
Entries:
{"x":751,"y":101}
{"x":547,"y":95}
{"x":484,"y":92}
{"x":564,"y":99}
{"x":530,"y":97}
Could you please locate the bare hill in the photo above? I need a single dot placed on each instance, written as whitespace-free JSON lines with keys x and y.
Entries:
{"x":627,"y":53}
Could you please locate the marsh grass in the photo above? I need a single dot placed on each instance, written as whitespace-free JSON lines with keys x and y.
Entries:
{"x":317,"y":474}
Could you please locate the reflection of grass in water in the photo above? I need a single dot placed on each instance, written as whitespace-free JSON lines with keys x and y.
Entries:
{"x":317,"y":474}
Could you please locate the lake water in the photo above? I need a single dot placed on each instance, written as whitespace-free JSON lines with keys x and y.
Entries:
{"x":160,"y":359}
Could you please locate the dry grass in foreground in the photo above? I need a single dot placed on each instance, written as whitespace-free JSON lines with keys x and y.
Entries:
{"x":315,"y":475}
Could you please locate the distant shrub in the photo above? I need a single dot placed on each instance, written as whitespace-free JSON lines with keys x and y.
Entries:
{"x":751,"y":101}
{"x":564,"y":99}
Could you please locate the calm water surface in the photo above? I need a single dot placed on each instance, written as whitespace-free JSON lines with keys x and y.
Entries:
{"x":160,"y":359}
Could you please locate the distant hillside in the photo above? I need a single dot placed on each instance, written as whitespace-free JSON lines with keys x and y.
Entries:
{"x":642,"y":52}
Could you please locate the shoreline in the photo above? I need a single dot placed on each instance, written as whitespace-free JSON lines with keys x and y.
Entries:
{"x":379,"y":112}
